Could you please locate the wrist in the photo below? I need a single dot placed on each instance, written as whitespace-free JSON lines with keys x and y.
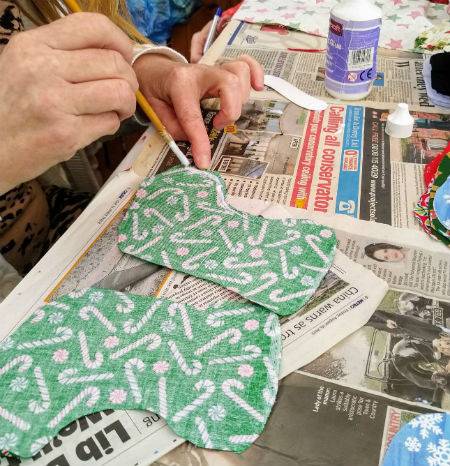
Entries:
{"x":152,"y":60}
{"x":152,"y":71}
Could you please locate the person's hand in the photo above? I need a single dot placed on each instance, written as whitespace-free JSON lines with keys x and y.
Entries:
{"x":175,"y":90}
{"x":198,"y":42}
{"x":62,"y":86}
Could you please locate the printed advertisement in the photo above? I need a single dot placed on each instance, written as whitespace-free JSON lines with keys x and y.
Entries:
{"x":337,"y":161}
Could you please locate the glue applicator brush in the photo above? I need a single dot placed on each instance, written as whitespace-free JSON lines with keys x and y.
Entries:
{"x":145,"y":106}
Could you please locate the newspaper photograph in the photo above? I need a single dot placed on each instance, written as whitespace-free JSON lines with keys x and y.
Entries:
{"x":355,"y":425}
{"x":402,"y":351}
{"x":402,"y":265}
{"x":300,"y":59}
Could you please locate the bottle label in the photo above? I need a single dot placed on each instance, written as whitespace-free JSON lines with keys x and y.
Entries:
{"x":352,"y":55}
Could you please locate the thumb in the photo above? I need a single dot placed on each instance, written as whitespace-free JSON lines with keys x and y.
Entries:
{"x":198,"y":42}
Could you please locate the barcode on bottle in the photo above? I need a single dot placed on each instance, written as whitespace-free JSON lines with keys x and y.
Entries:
{"x":360,"y":59}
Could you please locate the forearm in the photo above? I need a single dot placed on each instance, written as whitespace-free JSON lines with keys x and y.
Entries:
{"x":10,"y":24}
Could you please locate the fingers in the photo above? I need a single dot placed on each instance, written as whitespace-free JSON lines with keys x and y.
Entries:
{"x":242,"y":71}
{"x":198,"y":42}
{"x":232,"y":92}
{"x":234,"y":87}
{"x":79,"y":66}
{"x":93,"y":127}
{"x":82,"y":31}
{"x":256,"y":72}
{"x":189,"y":115}
{"x":231,"y":84}
{"x":98,"y":97}
{"x":169,"y":118}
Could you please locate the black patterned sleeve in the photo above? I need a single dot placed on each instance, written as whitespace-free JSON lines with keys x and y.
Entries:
{"x":10,"y":22}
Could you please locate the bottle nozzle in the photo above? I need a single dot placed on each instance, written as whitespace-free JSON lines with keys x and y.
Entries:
{"x":400,"y":123}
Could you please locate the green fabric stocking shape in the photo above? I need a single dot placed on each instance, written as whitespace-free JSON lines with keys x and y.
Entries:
{"x":211,"y":374}
{"x":180,"y":219}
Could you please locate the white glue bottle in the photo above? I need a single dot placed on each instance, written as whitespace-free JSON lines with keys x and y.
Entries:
{"x":351,"y":65}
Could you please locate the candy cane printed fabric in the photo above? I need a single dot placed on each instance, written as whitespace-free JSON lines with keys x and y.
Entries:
{"x":180,"y":219}
{"x":211,"y":374}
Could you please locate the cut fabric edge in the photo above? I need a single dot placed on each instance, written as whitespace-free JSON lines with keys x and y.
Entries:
{"x":221,"y":190}
{"x":240,"y":441}
{"x":243,"y":441}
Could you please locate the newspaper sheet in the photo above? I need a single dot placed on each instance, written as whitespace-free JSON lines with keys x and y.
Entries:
{"x":314,"y":422}
{"x":300,"y":59}
{"x":404,"y":349}
{"x":339,"y":161}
